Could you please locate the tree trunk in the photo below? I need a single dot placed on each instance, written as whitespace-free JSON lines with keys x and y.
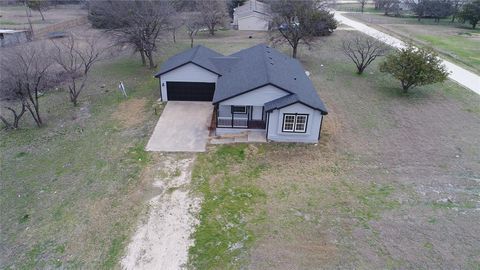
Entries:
{"x":211,"y":30}
{"x":41,"y":14}
{"x":73,"y":99}
{"x":35,"y":115}
{"x":28,"y":19}
{"x":16,"y":118}
{"x":6,"y":123}
{"x":191,"y":42}
{"x":144,"y":61}
{"x":174,"y":38}
{"x":294,"y":51}
{"x":150,"y":59}
{"x":39,"y":119}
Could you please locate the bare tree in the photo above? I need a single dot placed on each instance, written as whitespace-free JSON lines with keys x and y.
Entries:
{"x":299,"y":21}
{"x":362,"y":4}
{"x":27,"y":72}
{"x":388,"y":6}
{"x":456,"y":6}
{"x":213,"y":12}
{"x":138,"y":23}
{"x":363,"y":50}
{"x":39,"y":5}
{"x":12,"y":106}
{"x":76,"y":58}
{"x":193,"y":23}
{"x":175,"y":23}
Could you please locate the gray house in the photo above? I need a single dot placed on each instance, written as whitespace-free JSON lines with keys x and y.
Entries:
{"x":257,"y":88}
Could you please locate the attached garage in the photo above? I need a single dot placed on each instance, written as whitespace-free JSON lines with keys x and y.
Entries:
{"x":189,"y":76}
{"x":190,"y":91}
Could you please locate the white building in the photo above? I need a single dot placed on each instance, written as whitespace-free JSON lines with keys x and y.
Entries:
{"x":252,"y":15}
{"x":11,"y":37}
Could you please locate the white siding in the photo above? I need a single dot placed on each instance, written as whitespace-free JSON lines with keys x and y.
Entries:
{"x":256,"y":97}
{"x":257,"y":112}
{"x":224,"y":111}
{"x":253,"y":22}
{"x":275,"y":123}
{"x":187,"y":73}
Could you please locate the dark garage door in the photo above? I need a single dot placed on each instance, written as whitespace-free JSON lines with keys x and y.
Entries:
{"x":193,"y":91}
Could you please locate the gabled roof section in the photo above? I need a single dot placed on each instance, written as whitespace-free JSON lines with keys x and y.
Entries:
{"x":261,"y":65}
{"x":198,"y":55}
{"x":286,"y":101}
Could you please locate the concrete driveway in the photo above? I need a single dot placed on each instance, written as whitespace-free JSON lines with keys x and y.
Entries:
{"x":182,"y":127}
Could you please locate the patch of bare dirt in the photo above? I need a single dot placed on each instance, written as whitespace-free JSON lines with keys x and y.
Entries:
{"x":131,"y":112}
{"x":163,"y":238}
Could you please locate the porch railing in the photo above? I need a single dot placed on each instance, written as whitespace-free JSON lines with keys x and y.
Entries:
{"x":240,"y":123}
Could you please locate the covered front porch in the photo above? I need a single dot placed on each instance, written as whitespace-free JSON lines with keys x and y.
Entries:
{"x":240,"y":117}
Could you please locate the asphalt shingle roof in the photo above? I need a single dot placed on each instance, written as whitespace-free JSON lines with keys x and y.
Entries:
{"x":199,"y":55}
{"x":249,"y":69}
{"x":261,"y":65}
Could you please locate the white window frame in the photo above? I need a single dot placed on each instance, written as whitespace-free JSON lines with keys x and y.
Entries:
{"x":243,"y":112}
{"x":285,"y":115}
{"x":304,"y":123}
{"x":294,"y":127}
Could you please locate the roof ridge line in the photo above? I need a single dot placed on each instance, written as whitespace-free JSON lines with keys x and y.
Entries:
{"x":195,"y":52}
{"x":267,"y":71}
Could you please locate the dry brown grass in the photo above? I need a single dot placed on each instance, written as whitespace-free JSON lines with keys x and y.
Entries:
{"x":131,"y":112}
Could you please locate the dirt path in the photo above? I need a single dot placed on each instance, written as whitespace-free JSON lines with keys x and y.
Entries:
{"x":462,"y":76}
{"x":163,"y":239}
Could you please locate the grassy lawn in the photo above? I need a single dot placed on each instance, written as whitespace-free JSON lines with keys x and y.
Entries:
{"x":457,"y":42}
{"x":71,"y":191}
{"x":469,"y":48}
{"x":391,"y":174}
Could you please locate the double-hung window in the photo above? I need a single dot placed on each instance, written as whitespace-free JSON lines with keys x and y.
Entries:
{"x":295,"y":123}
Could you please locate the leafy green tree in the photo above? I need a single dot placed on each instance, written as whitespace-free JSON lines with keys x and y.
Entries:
{"x":414,"y":67}
{"x":471,"y":13}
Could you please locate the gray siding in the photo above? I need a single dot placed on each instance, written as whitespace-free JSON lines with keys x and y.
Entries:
{"x":257,"y":112}
{"x":224,"y":111}
{"x":275,"y":124}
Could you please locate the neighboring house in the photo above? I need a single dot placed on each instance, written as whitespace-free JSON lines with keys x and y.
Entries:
{"x":12,"y":37}
{"x":252,"y":15}
{"x":257,"y":88}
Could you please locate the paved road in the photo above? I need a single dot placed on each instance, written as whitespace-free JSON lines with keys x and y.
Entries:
{"x":182,"y":127}
{"x":462,"y":76}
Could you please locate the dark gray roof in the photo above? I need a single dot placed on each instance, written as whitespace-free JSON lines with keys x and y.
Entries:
{"x":261,"y":65}
{"x":198,"y":55}
{"x":224,"y":63}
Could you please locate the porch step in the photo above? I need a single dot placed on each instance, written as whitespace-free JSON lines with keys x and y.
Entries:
{"x":244,"y":137}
